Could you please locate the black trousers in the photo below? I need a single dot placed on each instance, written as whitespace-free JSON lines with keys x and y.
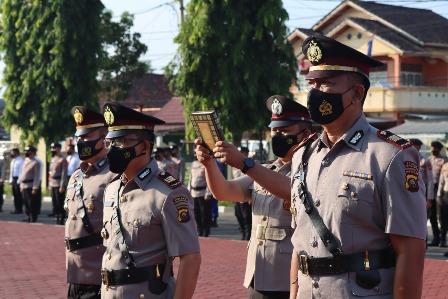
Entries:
{"x":58,"y":198}
{"x":18,"y":201}
{"x":432,"y":216}
{"x":243,"y":213}
{"x":203,"y":215}
{"x":83,"y":291}
{"x":2,"y":187}
{"x":31,"y":204}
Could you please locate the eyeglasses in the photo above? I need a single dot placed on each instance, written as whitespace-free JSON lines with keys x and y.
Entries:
{"x":118,"y":142}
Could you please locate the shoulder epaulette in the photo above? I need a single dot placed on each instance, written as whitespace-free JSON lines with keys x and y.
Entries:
{"x":305,"y":141}
{"x":168,"y":179}
{"x":394,"y":139}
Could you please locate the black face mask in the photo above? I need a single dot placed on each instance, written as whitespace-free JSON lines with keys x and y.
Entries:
{"x":281,"y":144}
{"x":27,"y":154}
{"x":87,"y":150}
{"x":435,"y":153}
{"x":53,"y":153}
{"x":119,"y":158}
{"x":324,"y":107}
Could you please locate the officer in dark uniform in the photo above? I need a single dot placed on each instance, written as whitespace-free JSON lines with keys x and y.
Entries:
{"x":357,"y":196}
{"x":84,"y":204}
{"x":148,"y":216}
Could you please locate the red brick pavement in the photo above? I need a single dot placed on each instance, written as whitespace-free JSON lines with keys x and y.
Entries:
{"x":32,"y":265}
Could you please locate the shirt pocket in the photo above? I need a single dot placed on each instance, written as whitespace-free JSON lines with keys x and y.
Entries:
{"x":354,"y":200}
{"x":137,"y":225}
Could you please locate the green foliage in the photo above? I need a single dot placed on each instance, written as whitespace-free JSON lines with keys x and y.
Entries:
{"x":50,"y":55}
{"x":232,"y":56}
{"x":55,"y":52}
{"x":119,"y":57}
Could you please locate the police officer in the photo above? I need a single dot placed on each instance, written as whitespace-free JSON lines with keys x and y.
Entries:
{"x":84,"y":204}
{"x":270,"y":248}
{"x":357,"y":196}
{"x":30,"y":183}
{"x":2,"y":180}
{"x":437,"y":160}
{"x":58,"y":182}
{"x":197,"y":184}
{"x":180,"y":163}
{"x":426,"y":173}
{"x":148,"y":216}
{"x":15,"y":170}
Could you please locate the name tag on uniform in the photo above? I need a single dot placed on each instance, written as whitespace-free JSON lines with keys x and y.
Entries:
{"x":108,"y":203}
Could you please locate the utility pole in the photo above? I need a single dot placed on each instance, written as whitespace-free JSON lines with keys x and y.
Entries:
{"x":182,"y":10}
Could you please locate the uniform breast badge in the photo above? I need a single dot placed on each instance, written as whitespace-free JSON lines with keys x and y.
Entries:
{"x":90,"y":207}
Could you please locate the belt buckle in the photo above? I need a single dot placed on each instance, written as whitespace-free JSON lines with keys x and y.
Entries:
{"x":67,"y":244}
{"x":303,"y":264}
{"x":105,"y":277}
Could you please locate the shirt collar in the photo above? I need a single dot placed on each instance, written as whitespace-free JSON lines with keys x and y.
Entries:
{"x":146,"y":173}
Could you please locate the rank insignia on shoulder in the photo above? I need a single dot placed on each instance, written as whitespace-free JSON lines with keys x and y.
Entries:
{"x":394,"y":139}
{"x":143,"y":174}
{"x":169,"y":179}
{"x":180,"y":199}
{"x":357,"y":136}
{"x":183,"y":215}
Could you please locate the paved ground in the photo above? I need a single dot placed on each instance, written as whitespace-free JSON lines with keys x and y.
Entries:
{"x":32,"y":260}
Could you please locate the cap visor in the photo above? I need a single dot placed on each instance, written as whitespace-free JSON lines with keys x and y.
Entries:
{"x":85,"y":131}
{"x":119,"y":133}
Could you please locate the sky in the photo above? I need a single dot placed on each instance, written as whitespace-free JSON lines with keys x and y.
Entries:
{"x":158,"y":21}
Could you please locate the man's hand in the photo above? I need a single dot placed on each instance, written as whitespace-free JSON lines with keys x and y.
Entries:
{"x":34,"y":192}
{"x":61,"y":190}
{"x":428,"y":203}
{"x":208,"y":197}
{"x":229,"y":154}
{"x":202,"y":153}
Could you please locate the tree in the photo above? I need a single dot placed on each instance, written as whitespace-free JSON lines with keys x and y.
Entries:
{"x":233,"y":55}
{"x":50,"y":55}
{"x":55,"y":52}
{"x":119,"y":57}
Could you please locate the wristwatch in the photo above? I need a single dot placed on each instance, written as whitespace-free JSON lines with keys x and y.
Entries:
{"x":248,"y":163}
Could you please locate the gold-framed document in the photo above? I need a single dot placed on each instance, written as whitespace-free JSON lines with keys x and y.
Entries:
{"x":207,"y":127}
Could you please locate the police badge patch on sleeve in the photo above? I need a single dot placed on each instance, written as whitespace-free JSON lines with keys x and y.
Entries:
{"x":411,"y":176}
{"x":183,"y":215}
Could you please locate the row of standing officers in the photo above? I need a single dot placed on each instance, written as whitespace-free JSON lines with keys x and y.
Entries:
{"x":356,"y":197}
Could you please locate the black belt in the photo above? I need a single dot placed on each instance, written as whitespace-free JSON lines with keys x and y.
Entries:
{"x":15,"y":177}
{"x":27,"y":181}
{"x":56,"y":177}
{"x":130,"y":276}
{"x":199,"y":188}
{"x":369,"y":260}
{"x":83,"y":242}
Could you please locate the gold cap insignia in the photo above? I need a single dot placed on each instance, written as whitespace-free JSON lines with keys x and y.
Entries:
{"x":314,"y":53}
{"x":325,"y":108}
{"x":276,"y":107}
{"x":109,"y":116}
{"x":78,"y":116}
